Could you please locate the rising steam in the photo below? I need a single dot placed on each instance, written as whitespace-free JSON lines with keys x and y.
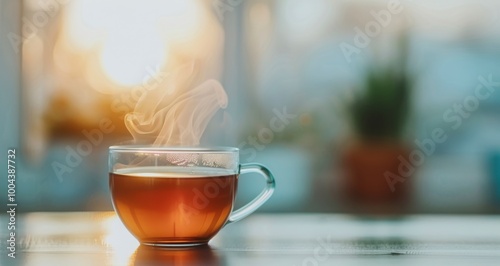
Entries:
{"x":173,"y":113}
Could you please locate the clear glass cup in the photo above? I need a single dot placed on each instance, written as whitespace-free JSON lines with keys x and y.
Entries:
{"x":179,"y":196}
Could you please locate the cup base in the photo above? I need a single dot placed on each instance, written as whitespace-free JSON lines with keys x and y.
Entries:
{"x":174,"y":245}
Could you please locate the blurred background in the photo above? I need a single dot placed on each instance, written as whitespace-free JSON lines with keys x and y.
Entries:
{"x":378,"y":106}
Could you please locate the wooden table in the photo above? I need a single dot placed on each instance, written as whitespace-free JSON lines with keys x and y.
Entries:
{"x":264,"y":239}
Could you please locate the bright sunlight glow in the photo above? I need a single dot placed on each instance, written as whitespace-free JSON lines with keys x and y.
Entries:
{"x":120,"y":240}
{"x":132,"y":37}
{"x":126,"y":59}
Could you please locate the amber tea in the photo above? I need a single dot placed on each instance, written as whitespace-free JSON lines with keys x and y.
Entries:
{"x":158,"y":204}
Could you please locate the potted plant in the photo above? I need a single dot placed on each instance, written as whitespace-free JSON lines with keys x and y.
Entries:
{"x":378,"y":116}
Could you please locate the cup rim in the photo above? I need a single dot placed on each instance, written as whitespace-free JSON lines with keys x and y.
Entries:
{"x":177,"y":149}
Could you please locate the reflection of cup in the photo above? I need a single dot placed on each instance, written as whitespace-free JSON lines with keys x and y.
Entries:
{"x":203,"y":255}
{"x":173,"y":196}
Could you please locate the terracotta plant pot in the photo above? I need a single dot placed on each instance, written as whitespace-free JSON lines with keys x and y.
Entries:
{"x":367,"y":187}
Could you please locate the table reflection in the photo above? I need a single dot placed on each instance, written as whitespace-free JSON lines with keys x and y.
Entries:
{"x":202,"y":255}
{"x":263,"y":239}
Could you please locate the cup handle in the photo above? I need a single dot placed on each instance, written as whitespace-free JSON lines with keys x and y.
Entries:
{"x":261,"y":198}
